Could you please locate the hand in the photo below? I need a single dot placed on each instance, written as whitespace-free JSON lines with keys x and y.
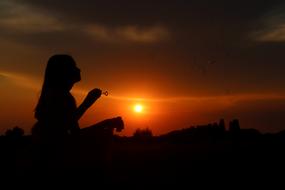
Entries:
{"x":115,"y":123}
{"x":119,"y":124}
{"x":92,"y":96}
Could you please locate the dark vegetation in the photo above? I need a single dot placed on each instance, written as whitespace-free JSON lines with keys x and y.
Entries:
{"x":212,"y":153}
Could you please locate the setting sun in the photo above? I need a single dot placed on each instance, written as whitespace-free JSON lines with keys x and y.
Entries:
{"x":138,"y":108}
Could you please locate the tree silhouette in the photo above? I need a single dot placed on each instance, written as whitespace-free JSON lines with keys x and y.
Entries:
{"x":143,"y":134}
{"x":16,"y":132}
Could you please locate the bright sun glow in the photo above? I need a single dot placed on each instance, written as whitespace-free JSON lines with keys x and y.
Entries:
{"x":138,"y":108}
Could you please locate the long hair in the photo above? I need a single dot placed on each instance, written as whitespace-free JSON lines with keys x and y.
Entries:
{"x":60,"y":74}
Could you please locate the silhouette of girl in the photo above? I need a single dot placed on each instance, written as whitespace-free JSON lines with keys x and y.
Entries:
{"x":56,"y":112}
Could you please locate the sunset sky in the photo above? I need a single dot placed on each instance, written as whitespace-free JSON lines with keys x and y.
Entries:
{"x":184,"y":62}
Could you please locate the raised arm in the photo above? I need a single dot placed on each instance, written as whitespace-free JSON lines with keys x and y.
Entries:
{"x":92,"y":96}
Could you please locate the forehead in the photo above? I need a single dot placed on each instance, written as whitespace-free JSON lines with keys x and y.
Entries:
{"x":68,"y":61}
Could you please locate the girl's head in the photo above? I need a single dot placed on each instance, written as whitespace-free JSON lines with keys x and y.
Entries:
{"x":60,"y":75}
{"x":61,"y":72}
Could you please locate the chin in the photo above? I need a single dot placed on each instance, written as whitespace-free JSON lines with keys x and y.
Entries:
{"x":78,"y":78}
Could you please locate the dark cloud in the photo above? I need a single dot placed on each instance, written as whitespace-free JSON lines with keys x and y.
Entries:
{"x":272,"y":26}
{"x":193,"y":25}
{"x":44,"y":24}
{"x":146,"y":11}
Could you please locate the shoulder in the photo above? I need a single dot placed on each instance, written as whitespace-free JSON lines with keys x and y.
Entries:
{"x":60,"y":100}
{"x":70,"y":99}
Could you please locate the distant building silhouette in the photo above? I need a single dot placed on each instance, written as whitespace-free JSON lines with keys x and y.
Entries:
{"x":222,"y":124}
{"x":234,"y":126}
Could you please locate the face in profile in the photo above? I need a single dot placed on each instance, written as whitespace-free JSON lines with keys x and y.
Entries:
{"x":75,"y":75}
{"x":62,"y":71}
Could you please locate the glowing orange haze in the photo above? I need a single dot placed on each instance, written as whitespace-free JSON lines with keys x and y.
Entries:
{"x":20,"y":93}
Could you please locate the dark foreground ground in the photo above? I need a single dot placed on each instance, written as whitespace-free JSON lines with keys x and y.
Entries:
{"x":207,"y":157}
{"x":126,"y":162}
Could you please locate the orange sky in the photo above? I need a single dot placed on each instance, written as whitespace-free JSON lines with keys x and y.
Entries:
{"x":160,"y":114}
{"x":186,"y":62}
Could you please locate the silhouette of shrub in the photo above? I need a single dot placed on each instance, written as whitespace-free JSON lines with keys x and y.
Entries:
{"x":16,"y":132}
{"x":143,"y":134}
